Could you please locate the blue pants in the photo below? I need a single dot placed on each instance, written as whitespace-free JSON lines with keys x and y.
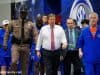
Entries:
{"x":92,"y":69}
{"x":31,"y":67}
{"x":5,"y":61}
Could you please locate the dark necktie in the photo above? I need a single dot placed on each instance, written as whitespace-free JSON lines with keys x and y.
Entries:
{"x":71,"y":37}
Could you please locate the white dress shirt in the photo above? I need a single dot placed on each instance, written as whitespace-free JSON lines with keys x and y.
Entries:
{"x":44,"y":38}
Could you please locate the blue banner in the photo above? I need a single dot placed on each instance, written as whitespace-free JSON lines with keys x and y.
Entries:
{"x":35,"y":7}
{"x":78,"y":9}
{"x":52,"y":6}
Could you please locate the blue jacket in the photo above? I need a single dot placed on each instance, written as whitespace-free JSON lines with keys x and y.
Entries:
{"x":4,"y":53}
{"x":90,"y":45}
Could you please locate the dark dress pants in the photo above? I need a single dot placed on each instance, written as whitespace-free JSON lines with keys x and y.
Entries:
{"x":72,"y":58}
{"x":51,"y":61}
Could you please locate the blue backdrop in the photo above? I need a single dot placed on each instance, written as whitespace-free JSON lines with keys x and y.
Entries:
{"x":78,"y":9}
{"x":82,"y":8}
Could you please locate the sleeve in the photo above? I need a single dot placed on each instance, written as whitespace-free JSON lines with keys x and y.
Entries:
{"x":63,"y":37}
{"x":1,"y":38}
{"x":35,"y":33}
{"x":7,"y":33}
{"x":39,"y":41}
{"x":81,"y":40}
{"x":33,"y":49}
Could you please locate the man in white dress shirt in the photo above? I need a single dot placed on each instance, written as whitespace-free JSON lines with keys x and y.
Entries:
{"x":50,"y":39}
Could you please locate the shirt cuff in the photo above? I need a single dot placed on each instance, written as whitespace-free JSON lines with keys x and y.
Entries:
{"x":37,"y":49}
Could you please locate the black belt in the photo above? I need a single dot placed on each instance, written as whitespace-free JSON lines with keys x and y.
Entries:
{"x":72,"y":49}
{"x":51,"y":50}
{"x":19,"y":41}
{"x":46,"y":52}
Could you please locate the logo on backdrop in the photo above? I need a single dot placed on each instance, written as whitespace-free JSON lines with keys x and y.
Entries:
{"x":80,"y":10}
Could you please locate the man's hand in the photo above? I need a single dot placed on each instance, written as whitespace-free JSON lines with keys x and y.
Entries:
{"x":38,"y":54}
{"x":80,"y":53}
{"x":64,"y":46}
{"x":61,"y":58}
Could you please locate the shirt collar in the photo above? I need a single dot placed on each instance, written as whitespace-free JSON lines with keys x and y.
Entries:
{"x":49,"y":26}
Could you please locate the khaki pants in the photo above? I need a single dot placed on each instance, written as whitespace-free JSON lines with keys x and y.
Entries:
{"x":19,"y":52}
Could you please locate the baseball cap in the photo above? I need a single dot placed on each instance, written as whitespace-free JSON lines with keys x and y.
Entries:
{"x":4,"y":22}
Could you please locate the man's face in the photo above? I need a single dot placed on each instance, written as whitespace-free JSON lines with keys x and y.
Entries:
{"x":23,"y":14}
{"x":93,"y":19}
{"x":70,"y":23}
{"x":5,"y":26}
{"x":51,"y":20}
{"x":84,"y":25}
{"x":44,"y":19}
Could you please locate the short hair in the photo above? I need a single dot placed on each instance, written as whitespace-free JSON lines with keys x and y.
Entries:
{"x":44,"y":15}
{"x":75,"y":21}
{"x":70,"y":19}
{"x":51,"y":15}
{"x":86,"y":21}
{"x":92,"y":14}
